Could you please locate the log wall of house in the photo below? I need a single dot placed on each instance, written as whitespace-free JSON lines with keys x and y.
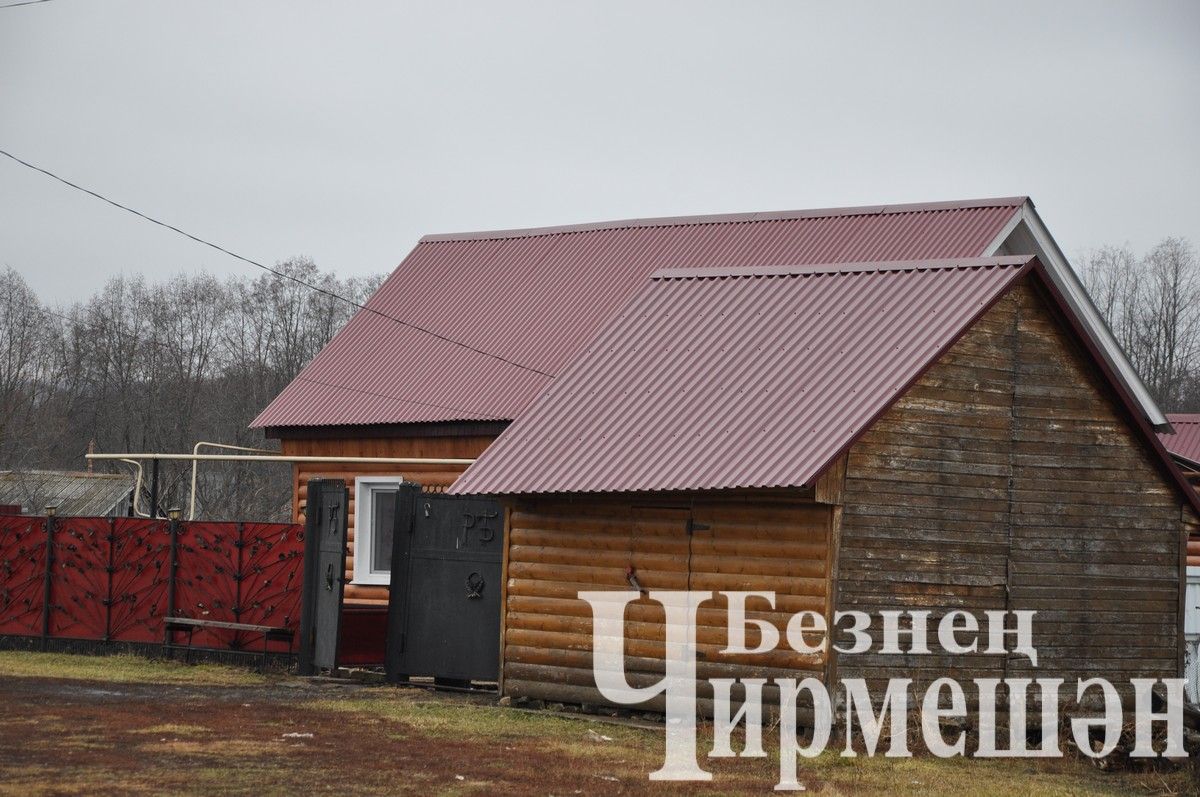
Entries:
{"x":558,"y":547}
{"x":1010,"y":463}
{"x":434,"y":478}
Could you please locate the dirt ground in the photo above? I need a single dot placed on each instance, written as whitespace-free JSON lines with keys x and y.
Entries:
{"x":75,"y":724}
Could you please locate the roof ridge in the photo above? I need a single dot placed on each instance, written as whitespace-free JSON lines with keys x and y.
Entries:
{"x":841,"y":268}
{"x":729,"y":218}
{"x":1183,"y":417}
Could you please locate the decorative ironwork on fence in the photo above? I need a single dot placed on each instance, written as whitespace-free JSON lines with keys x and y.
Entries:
{"x":111,"y":579}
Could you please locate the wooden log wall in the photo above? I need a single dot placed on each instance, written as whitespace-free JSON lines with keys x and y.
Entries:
{"x":434,"y":478}
{"x":558,"y":547}
{"x":1009,"y":464}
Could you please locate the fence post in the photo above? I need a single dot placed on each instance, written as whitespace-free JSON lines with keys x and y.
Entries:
{"x":47,"y":586}
{"x":241,"y":572}
{"x":312,"y":535}
{"x":108,"y":600}
{"x":154,"y":513}
{"x":174,"y":513}
{"x":238,"y":577}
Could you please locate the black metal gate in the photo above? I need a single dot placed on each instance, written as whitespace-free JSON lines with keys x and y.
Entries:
{"x":444,"y":611}
{"x":324,"y":574}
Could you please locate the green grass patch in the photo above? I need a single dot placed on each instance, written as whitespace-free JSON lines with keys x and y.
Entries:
{"x":172,"y":729}
{"x":122,"y":668}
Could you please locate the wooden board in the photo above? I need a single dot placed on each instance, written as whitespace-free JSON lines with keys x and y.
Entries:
{"x":1008,"y":478}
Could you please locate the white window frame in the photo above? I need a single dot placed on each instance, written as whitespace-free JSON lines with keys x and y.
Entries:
{"x":364,"y":505}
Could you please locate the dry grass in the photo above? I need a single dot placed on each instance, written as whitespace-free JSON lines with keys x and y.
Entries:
{"x":631,"y":753}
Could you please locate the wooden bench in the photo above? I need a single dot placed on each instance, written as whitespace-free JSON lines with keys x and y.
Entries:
{"x":173,"y":625}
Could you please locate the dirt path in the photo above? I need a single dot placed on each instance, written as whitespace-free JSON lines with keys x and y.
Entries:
{"x":133,"y":727}
{"x":64,"y":736}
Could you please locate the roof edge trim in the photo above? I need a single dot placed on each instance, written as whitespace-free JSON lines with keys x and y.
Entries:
{"x":719,"y":218}
{"x":1191,"y":464}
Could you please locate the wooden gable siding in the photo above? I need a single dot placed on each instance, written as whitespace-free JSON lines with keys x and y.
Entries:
{"x":558,"y":547}
{"x":1007,"y":478}
{"x":434,"y":478}
{"x":1097,"y":530}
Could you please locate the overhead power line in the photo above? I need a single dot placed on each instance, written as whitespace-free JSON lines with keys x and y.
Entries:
{"x":24,"y":3}
{"x":277,"y":272}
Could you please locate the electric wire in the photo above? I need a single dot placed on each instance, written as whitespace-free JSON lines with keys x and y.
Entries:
{"x":276,"y":272}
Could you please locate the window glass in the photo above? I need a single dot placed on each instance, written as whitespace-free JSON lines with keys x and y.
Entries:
{"x":383,"y":522}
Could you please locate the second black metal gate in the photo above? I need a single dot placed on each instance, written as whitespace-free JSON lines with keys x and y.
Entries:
{"x":444,"y":611}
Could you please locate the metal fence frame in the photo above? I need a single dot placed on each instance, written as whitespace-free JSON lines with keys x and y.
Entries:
{"x":79,"y":581}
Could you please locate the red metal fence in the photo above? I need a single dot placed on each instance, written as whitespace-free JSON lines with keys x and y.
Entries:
{"x":111,"y":580}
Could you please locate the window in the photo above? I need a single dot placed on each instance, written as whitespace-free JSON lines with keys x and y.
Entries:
{"x":374,"y":523}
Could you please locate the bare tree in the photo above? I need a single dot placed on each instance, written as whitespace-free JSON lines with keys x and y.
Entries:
{"x":1171,"y":320}
{"x":158,"y":367}
{"x":1152,"y":305}
{"x":27,"y":365}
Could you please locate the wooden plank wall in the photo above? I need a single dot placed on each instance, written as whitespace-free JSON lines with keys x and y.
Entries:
{"x":1096,"y":524}
{"x":559,"y":547}
{"x":1009,"y":463}
{"x":434,"y":478}
{"x":925,"y":522}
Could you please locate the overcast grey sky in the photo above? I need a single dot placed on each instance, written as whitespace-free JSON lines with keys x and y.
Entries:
{"x":345,"y":131}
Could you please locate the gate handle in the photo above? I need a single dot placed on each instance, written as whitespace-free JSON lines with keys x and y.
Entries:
{"x":329,"y":577}
{"x":475,"y":584}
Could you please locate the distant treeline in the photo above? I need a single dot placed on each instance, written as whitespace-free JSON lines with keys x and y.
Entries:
{"x":146,"y":366}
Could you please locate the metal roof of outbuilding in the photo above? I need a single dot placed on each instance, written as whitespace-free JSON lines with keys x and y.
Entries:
{"x":1185,"y":442}
{"x":535,"y":297}
{"x":71,"y":493}
{"x":739,"y":377}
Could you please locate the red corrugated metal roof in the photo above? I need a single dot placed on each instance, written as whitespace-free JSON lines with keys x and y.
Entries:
{"x":1185,"y":443}
{"x":537,"y":296}
{"x":739,"y":378}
